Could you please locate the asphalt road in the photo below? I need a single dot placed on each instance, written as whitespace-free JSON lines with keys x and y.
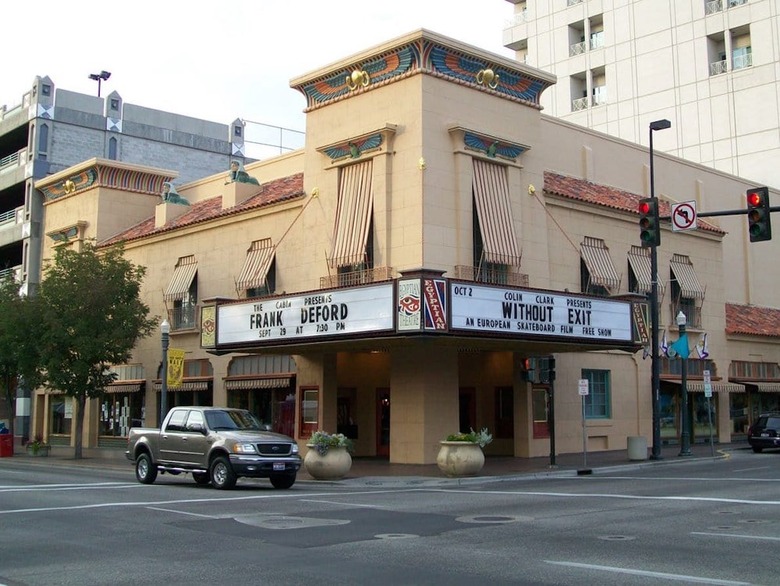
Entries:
{"x":695,"y":522}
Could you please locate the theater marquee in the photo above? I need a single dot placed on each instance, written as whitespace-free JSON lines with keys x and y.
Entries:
{"x":532,"y":313}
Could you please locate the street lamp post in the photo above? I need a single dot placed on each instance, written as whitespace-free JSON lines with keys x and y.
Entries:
{"x":685,"y":436}
{"x":165,"y":329}
{"x":656,"y":363}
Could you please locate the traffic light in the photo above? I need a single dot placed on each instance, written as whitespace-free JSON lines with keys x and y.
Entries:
{"x":529,"y":370}
{"x":649,"y":230}
{"x":759,"y":217}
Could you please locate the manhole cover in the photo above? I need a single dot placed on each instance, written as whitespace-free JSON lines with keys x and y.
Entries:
{"x":492,"y":519}
{"x":395,"y":535}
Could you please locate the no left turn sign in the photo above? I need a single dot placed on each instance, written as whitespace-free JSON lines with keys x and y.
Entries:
{"x":684,"y":216}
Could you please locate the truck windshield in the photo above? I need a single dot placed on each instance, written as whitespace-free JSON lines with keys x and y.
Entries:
{"x":227,"y":420}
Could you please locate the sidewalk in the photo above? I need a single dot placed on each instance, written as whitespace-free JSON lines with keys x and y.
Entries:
{"x":378,"y":471}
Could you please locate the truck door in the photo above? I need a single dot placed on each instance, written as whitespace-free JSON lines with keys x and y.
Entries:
{"x":194,"y":443}
{"x":171,"y":444}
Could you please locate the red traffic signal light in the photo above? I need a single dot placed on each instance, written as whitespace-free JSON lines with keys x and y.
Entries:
{"x":649,"y":230}
{"x":759,"y":214}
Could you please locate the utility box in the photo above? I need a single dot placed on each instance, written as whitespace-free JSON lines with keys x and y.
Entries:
{"x":6,"y":445}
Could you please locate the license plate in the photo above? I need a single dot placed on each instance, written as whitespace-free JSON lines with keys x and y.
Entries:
{"x":278,"y":465}
{"x":764,"y":435}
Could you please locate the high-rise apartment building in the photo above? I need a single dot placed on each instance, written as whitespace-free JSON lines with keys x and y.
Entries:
{"x":709,"y":66}
{"x":53,"y":129}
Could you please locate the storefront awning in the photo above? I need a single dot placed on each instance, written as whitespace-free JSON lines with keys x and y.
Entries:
{"x":258,"y":261}
{"x":182,"y":279}
{"x":768,"y":387}
{"x":353,"y":215}
{"x":257,"y":383}
{"x":201,"y":385}
{"x":125,"y":387}
{"x":639,"y":260}
{"x":717,"y":387}
{"x":596,"y":256}
{"x":494,"y":212}
{"x":682,"y":267}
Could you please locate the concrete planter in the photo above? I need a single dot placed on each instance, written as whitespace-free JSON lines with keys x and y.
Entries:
{"x":39,"y":451}
{"x":460,"y":458}
{"x":334,"y":465}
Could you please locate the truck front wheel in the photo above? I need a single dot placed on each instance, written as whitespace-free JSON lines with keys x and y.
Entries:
{"x":222,"y":475}
{"x":145,"y":470}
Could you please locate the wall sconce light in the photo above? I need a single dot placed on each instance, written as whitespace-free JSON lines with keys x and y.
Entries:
{"x":421,"y":164}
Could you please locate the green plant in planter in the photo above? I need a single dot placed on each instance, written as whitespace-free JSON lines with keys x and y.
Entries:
{"x":323,"y":441}
{"x":482,"y":437}
{"x":37,"y":444}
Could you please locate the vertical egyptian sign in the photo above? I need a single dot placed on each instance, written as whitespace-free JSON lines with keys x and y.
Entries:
{"x":208,"y":326}
{"x":435,"y":291}
{"x":409,"y":305}
{"x":175,"y":368}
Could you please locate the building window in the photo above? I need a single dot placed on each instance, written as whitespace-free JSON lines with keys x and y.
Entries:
{"x":184,"y":309}
{"x":45,"y":89}
{"x":741,"y":57}
{"x":309,"y":411}
{"x":598,"y":399}
{"x":112,"y":144}
{"x":43,"y":138}
{"x":237,"y":130}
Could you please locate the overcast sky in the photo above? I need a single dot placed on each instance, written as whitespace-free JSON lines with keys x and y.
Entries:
{"x":217,"y":61}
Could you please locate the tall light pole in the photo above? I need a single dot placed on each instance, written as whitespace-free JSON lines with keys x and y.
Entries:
{"x":98,"y":77}
{"x":165,"y":329}
{"x":656,"y":363}
{"x":685,"y":434}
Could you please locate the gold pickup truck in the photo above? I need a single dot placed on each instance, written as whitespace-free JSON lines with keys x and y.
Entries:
{"x":216,"y":445}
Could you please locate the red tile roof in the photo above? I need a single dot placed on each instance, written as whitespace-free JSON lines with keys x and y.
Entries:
{"x":273,"y":192}
{"x":610,"y":197}
{"x":752,"y":320}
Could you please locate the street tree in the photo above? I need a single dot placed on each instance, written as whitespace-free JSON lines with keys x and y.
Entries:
{"x":19,"y":343}
{"x":92,"y":318}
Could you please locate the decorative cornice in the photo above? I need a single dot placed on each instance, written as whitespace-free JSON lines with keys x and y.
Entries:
{"x":104,"y":173}
{"x":428,"y":53}
{"x":355,"y":147}
{"x":492,"y":147}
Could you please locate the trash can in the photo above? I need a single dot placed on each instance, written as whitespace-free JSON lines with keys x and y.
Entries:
{"x":6,"y":445}
{"x":637,"y":447}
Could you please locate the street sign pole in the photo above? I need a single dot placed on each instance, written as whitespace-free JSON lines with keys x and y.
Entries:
{"x":582,"y":388}
{"x":708,"y":395}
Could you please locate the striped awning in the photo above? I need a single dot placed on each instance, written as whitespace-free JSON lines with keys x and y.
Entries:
{"x":353,"y":215}
{"x":766,"y":387}
{"x":200,"y":385}
{"x":494,"y":212}
{"x":124,"y":387}
{"x":682,"y":267}
{"x":258,"y":261}
{"x":596,"y":256}
{"x":182,"y":278}
{"x":717,"y":387}
{"x":257,"y":383}
{"x":639,"y":260}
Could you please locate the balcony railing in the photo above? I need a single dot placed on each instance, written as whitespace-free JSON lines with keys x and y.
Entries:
{"x":183,"y":318}
{"x":579,"y":104}
{"x":16,"y":272}
{"x":734,"y":3}
{"x":352,"y":278}
{"x":577,"y":49}
{"x":719,"y":67}
{"x":713,"y":7}
{"x":596,"y":40}
{"x":573,"y":2}
{"x":692,"y":313}
{"x":504,"y":276}
{"x":742,"y":61}
{"x":518,"y":18}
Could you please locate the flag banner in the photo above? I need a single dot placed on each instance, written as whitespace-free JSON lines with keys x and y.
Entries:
{"x":701,"y":347}
{"x":680,"y":347}
{"x":664,"y":346}
{"x":175,"y":368}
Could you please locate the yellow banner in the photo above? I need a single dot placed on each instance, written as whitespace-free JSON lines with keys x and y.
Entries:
{"x":175,"y":368}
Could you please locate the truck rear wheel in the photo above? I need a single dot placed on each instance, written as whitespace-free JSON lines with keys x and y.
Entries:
{"x":222,"y":475}
{"x":145,"y":470}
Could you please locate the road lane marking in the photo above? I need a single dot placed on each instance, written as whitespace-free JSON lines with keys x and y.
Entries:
{"x":586,"y":495}
{"x":50,"y":487}
{"x":184,"y":513}
{"x":649,"y":574}
{"x":736,"y":536}
{"x":340,"y":504}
